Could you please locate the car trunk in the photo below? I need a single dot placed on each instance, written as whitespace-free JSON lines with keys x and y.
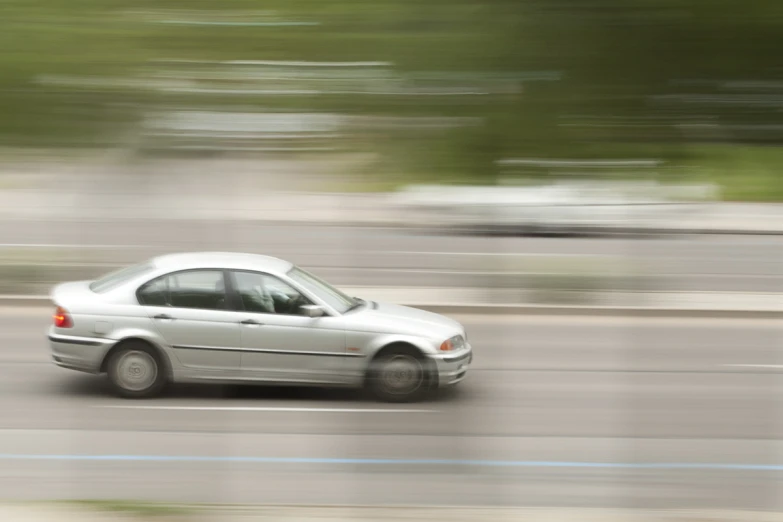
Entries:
{"x":70,"y":294}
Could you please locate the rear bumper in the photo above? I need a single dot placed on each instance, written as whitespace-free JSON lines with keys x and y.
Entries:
{"x":453,"y":368}
{"x":84,"y":354}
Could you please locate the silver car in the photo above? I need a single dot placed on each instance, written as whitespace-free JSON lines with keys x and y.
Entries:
{"x":242,"y":318}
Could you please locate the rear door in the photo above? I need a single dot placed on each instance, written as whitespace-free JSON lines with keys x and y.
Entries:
{"x":190,"y":310}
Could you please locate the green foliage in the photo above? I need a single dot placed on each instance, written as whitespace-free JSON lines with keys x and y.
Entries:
{"x":142,"y":510}
{"x":623,"y":77}
{"x":745,"y":173}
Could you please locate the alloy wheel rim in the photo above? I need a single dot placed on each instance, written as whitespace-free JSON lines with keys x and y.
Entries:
{"x":136,"y":371}
{"x":402,"y":374}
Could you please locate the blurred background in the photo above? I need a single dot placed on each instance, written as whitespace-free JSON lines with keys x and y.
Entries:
{"x":508,"y":162}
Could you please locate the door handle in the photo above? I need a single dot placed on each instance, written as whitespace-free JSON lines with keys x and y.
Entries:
{"x":251,"y":322}
{"x":164,"y":317}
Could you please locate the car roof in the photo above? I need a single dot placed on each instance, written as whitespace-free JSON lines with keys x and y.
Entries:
{"x":226,"y":260}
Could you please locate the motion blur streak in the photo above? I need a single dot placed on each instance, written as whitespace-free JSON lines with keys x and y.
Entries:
{"x":474,"y":463}
{"x":511,"y":161}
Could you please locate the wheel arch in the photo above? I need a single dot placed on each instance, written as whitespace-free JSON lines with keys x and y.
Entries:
{"x":168,"y":368}
{"x":395,"y":344}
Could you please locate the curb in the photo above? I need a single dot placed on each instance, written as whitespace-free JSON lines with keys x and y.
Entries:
{"x":517,"y":309}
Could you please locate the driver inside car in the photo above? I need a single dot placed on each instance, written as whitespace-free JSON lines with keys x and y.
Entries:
{"x":262,"y":300}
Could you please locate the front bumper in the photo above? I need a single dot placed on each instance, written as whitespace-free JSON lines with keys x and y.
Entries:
{"x":83,"y":354}
{"x":453,"y":367}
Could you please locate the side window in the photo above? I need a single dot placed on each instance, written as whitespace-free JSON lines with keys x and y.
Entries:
{"x":267,"y":294}
{"x":153,"y":293}
{"x":203,"y":289}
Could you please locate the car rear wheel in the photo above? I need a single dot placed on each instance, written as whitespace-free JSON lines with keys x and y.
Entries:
{"x":400,"y":374}
{"x":135,"y":371}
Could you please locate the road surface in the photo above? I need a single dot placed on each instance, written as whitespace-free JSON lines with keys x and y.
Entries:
{"x":370,"y":256}
{"x":556,"y":411}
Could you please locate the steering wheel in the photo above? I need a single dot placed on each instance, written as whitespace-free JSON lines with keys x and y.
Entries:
{"x":295,"y":303}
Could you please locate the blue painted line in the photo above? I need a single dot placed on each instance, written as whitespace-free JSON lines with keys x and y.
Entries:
{"x":414,"y":462}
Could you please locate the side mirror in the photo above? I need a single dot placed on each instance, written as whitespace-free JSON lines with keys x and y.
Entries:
{"x":311,"y":310}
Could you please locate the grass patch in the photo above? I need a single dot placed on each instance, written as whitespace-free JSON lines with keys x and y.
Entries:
{"x":141,"y":509}
{"x":745,"y":173}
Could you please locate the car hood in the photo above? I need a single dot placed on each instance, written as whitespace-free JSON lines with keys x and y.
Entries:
{"x":392,"y":318}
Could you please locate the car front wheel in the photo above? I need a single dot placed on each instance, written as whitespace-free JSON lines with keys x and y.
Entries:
{"x":399,"y":375}
{"x":135,"y":371}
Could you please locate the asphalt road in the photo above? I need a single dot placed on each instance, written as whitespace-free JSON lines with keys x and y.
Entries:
{"x":367,"y":256}
{"x":556,"y":411}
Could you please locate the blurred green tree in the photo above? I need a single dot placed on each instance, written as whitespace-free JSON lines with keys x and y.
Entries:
{"x":589,"y":78}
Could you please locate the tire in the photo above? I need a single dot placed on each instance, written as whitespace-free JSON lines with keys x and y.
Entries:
{"x":399,"y":374}
{"x":136,"y":371}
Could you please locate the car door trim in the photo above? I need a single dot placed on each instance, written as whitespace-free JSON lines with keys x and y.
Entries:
{"x":84,"y":341}
{"x":262,"y":350}
{"x":317,"y":354}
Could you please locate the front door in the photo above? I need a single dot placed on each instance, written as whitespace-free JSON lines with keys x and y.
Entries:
{"x":190,"y":311}
{"x":278,"y":343}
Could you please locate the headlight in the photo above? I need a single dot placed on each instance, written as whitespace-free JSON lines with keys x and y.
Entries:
{"x":455,"y":343}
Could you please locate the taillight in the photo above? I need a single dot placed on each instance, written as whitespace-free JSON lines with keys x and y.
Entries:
{"x":62,"y":319}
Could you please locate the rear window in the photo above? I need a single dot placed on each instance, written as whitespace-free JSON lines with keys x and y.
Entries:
{"x":115,"y":279}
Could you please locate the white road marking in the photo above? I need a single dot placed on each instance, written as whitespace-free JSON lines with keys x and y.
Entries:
{"x":776,"y":366}
{"x":487,"y":254}
{"x":268,"y":409}
{"x":622,"y":323}
{"x":63,"y":245}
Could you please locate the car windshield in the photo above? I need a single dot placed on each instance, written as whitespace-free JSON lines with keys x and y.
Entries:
{"x":115,"y":279}
{"x":323,"y":290}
